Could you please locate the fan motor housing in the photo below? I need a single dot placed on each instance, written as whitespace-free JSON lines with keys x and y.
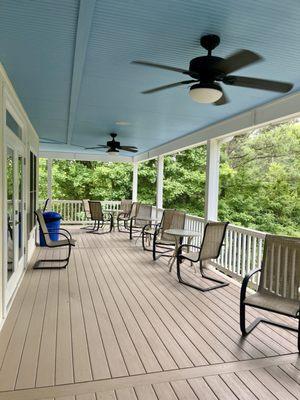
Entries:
{"x":204,"y":67}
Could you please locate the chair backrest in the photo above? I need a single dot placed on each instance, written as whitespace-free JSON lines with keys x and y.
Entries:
{"x":86,"y":208}
{"x":281,"y":267}
{"x":126,"y":206}
{"x":171,"y":219}
{"x":213,"y":237}
{"x":96,"y":210}
{"x":43,"y":226}
{"x":134,"y":210}
{"x":143,"y":216}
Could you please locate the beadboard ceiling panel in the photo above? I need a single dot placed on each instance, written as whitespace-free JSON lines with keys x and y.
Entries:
{"x":38,"y":41}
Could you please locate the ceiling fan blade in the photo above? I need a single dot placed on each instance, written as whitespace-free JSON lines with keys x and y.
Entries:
{"x":171,"y":85}
{"x":100,"y":146}
{"x":255,"y":83}
{"x":129,"y":148}
{"x":161,"y":66}
{"x":223,"y":100}
{"x":241,"y":58}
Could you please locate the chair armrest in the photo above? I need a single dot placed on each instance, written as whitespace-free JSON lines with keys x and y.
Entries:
{"x":62,"y":234}
{"x":187,"y":245}
{"x":124,"y":214}
{"x":60,"y":229}
{"x":108,"y":215}
{"x":245,"y":283}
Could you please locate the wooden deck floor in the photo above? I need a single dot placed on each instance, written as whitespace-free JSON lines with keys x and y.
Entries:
{"x":116,"y":325}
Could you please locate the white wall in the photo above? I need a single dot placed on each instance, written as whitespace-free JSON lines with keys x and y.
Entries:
{"x":9,"y":100}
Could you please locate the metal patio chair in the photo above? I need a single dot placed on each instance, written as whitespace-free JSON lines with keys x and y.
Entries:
{"x":142,"y":218}
{"x":68,"y":241}
{"x":125,"y":218}
{"x":162,"y":243}
{"x":87,"y":213}
{"x":101,"y":219}
{"x":213,"y":237}
{"x":125,"y":208}
{"x":279,"y":284}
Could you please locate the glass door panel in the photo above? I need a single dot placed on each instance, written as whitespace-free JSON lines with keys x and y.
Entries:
{"x":20,"y":211}
{"x":10,"y":172}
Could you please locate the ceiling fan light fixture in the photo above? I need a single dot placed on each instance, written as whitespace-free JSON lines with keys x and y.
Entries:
{"x":112,"y":152}
{"x":206,"y":92}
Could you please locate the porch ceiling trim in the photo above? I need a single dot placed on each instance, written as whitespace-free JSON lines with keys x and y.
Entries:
{"x":284,"y":108}
{"x":281,"y":109}
{"x":56,"y":155}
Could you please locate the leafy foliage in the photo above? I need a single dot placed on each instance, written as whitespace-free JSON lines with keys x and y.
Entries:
{"x":260,"y":179}
{"x":258,"y":187}
{"x":87,"y":180}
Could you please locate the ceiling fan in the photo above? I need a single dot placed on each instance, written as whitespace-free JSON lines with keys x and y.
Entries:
{"x":113,"y":146}
{"x":207,"y":71}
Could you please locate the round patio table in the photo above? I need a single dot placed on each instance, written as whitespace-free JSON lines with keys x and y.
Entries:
{"x":178,"y":235}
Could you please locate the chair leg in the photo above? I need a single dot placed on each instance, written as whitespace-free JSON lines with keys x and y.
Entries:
{"x":154,"y":249}
{"x":243,"y":318}
{"x":299,"y":334}
{"x":67,"y":259}
{"x":220,"y":283}
{"x":143,"y":240}
{"x":246,"y":330}
{"x":130,"y":230}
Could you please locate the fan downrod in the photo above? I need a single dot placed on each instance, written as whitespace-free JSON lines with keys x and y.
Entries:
{"x":210,"y":42}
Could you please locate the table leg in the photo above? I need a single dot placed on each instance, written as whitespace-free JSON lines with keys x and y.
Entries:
{"x":173,"y":257}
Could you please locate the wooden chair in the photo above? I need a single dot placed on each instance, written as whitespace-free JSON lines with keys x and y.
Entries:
{"x":171,"y":219}
{"x":100,"y":218}
{"x":279,"y":284}
{"x":68,"y":241}
{"x":213,"y":237}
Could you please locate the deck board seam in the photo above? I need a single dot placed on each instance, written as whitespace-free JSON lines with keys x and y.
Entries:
{"x":149,"y":378}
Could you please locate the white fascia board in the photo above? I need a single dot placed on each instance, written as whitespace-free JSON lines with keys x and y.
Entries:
{"x":286,"y":107}
{"x":82,"y":157}
{"x":14,"y":99}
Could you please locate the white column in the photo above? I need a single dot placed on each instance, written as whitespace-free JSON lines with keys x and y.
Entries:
{"x":135,"y":181}
{"x":159,"y":181}
{"x":49,"y":182}
{"x":212,"y":180}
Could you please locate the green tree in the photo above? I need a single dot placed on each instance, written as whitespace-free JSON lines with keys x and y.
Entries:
{"x":259,"y":180}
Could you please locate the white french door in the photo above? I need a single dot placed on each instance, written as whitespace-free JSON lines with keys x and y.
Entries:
{"x":14,"y":213}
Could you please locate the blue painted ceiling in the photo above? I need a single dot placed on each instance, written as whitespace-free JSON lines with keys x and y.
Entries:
{"x":37,"y":45}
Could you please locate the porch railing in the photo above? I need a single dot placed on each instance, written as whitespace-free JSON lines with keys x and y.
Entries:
{"x":72,"y":210}
{"x":242,"y":250}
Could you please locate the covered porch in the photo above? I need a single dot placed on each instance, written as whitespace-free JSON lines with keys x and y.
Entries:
{"x":114,"y":324}
{"x":117,"y":325}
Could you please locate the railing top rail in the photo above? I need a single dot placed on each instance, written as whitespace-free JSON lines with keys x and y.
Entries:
{"x":79,"y":201}
{"x":231,"y":227}
{"x":249,"y":231}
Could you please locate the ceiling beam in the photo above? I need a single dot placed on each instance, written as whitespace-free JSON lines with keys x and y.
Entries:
{"x":84,"y":22}
{"x":58,"y":155}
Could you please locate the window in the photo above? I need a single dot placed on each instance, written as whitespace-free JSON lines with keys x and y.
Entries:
{"x":33,"y":188}
{"x":12,"y":124}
